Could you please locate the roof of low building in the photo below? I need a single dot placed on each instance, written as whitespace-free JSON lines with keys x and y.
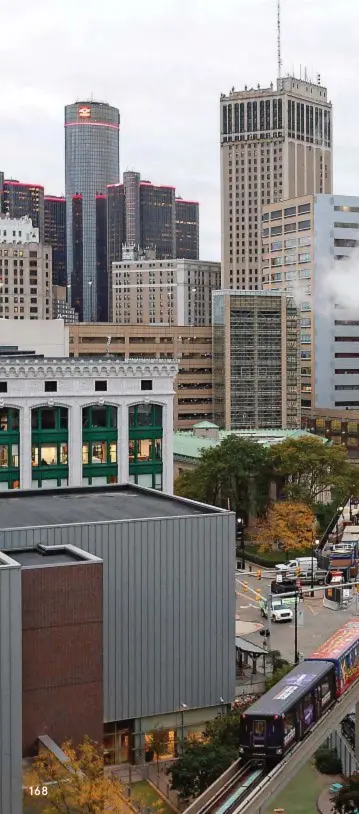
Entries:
{"x":187,"y":445}
{"x":53,"y":507}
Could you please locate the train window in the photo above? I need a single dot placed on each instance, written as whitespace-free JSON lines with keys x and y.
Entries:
{"x":308,"y":709}
{"x":289,"y":727}
{"x":325,"y":692}
{"x":259,"y":728}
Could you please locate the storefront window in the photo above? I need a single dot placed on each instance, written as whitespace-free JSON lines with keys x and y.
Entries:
{"x":63,"y":453}
{"x":143,"y":450}
{"x":63,"y":418}
{"x":160,"y":744}
{"x":35,"y":456}
{"x":15,"y":455}
{"x":48,"y":455}
{"x":85,"y":454}
{"x":131,"y":450}
{"x":48,"y":420}
{"x":4,"y":421}
{"x":99,"y":417}
{"x":113,"y":453}
{"x":4,"y":455}
{"x":99,"y":452}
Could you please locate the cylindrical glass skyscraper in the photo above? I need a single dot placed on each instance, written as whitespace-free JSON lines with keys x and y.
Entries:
{"x":91,"y":163}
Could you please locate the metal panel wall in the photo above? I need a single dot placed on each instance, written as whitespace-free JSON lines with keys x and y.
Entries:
{"x":10,"y":689}
{"x":169,"y":608}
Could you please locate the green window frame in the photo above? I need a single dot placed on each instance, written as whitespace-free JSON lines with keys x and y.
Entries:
{"x":10,"y":447}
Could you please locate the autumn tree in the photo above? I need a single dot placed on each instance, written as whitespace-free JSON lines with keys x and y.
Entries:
{"x":288,"y":526}
{"x":307,"y":466}
{"x":80,"y":786}
{"x":234,"y":473}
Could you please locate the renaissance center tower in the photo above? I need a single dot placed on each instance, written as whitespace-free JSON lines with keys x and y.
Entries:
{"x":91,"y":164}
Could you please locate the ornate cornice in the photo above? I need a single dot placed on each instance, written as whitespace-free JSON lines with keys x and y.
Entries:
{"x":81,"y":368}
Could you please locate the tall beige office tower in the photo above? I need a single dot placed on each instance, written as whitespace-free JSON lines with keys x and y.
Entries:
{"x":275,"y":144}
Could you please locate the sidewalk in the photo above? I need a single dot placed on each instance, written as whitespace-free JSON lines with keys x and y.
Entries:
{"x":324,"y":801}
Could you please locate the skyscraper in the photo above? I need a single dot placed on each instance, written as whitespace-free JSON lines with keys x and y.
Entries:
{"x":275,"y":144}
{"x":158,"y":219}
{"x":256,"y":362}
{"x":187,"y":229}
{"x":55,"y":236}
{"x":21,"y":200}
{"x":131,"y":183}
{"x":91,"y":163}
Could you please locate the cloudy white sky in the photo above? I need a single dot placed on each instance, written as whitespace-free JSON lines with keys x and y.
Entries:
{"x":164,"y":63}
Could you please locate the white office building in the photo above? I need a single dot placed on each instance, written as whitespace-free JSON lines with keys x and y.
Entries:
{"x":67,"y":421}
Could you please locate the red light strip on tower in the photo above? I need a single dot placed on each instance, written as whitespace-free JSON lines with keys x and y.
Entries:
{"x":92,"y":124}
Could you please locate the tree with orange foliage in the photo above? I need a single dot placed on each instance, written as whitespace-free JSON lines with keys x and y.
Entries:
{"x":79,"y":786}
{"x":288,"y":526}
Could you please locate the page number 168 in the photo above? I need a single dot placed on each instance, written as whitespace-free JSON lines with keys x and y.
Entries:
{"x":38,"y":791}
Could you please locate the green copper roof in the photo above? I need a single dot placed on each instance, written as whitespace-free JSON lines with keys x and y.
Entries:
{"x":187,"y":445}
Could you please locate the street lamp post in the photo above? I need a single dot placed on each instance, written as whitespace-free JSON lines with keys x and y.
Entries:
{"x":183,"y":707}
{"x":339,"y":510}
{"x":296,"y":654}
{"x":240,"y":537}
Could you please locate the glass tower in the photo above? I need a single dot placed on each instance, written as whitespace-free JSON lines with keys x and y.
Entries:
{"x":91,"y":163}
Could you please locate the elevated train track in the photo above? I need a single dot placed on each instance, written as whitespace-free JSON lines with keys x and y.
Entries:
{"x":257,"y":796}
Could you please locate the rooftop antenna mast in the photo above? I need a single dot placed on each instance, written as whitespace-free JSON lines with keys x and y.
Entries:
{"x":279,"y":51}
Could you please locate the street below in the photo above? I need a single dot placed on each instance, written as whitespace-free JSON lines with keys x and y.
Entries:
{"x":316,"y":623}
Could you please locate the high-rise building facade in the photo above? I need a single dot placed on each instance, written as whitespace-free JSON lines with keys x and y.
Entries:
{"x":91,"y":164}
{"x":146,"y":217}
{"x":55,"y":236}
{"x":21,"y":200}
{"x":187,"y":229}
{"x":158,"y":219}
{"x":256,"y":362}
{"x":131,"y":183}
{"x":309,"y":245}
{"x":275,"y":144}
{"x":164,"y":292}
{"x":25,"y":272}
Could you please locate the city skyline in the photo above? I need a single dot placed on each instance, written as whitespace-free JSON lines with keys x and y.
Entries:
{"x":189,"y":155}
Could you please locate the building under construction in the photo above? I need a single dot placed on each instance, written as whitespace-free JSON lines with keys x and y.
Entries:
{"x":256,"y":360}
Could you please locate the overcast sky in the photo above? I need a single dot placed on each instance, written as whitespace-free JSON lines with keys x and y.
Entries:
{"x":164,"y":63}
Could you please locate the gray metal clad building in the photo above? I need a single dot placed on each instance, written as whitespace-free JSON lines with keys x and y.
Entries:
{"x":169,"y":596}
{"x":10,"y":686}
{"x":91,"y":163}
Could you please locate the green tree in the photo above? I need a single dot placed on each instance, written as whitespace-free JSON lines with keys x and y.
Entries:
{"x":234,"y":473}
{"x":224,"y":729}
{"x":198,"y":767}
{"x":346,"y":801}
{"x":307,"y":466}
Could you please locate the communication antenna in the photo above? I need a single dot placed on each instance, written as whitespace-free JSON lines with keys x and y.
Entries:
{"x":279,"y":51}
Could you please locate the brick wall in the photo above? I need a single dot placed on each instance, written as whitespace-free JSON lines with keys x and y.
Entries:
{"x":62,"y":653}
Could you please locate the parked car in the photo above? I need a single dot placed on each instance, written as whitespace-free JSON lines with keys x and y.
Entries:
{"x":281,"y":610}
{"x":304,"y":563}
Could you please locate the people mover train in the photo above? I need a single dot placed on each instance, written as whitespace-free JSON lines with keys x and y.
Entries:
{"x":285,"y":714}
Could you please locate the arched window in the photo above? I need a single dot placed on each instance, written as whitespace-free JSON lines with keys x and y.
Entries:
{"x":145,"y":445}
{"x":99,"y":445}
{"x":49,"y":446}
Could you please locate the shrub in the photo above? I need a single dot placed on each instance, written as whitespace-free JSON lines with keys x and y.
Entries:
{"x":327,"y":761}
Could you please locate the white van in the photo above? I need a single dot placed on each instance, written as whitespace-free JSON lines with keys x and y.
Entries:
{"x":304,"y":563}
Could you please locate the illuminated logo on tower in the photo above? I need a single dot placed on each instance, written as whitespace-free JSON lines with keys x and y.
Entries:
{"x":85,"y":112}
